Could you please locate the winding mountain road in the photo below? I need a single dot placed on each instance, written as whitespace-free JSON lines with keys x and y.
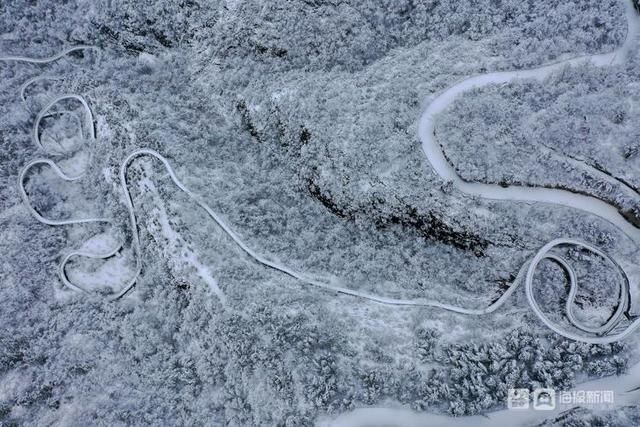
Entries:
{"x":434,"y":152}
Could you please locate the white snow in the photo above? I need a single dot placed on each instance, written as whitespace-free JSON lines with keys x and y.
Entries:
{"x":436,"y":157}
{"x":112,"y":273}
{"x":176,"y":244}
{"x":388,"y":417}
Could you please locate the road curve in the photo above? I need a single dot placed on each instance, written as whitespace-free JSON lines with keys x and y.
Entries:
{"x":618,"y":315}
{"x":435,"y":154}
{"x":438,"y":161}
{"x":48,"y":59}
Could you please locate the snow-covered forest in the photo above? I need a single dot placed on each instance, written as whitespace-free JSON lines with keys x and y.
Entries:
{"x":297,"y":122}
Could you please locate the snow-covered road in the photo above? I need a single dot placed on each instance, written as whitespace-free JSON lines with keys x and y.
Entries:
{"x":436,"y":156}
{"x":434,"y":151}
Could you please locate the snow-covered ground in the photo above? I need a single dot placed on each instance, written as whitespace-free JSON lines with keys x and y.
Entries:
{"x":286,"y":249}
{"x":625,"y":393}
{"x":434,"y":150}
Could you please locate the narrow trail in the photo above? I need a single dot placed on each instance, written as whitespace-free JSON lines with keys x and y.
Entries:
{"x":609,"y":332}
